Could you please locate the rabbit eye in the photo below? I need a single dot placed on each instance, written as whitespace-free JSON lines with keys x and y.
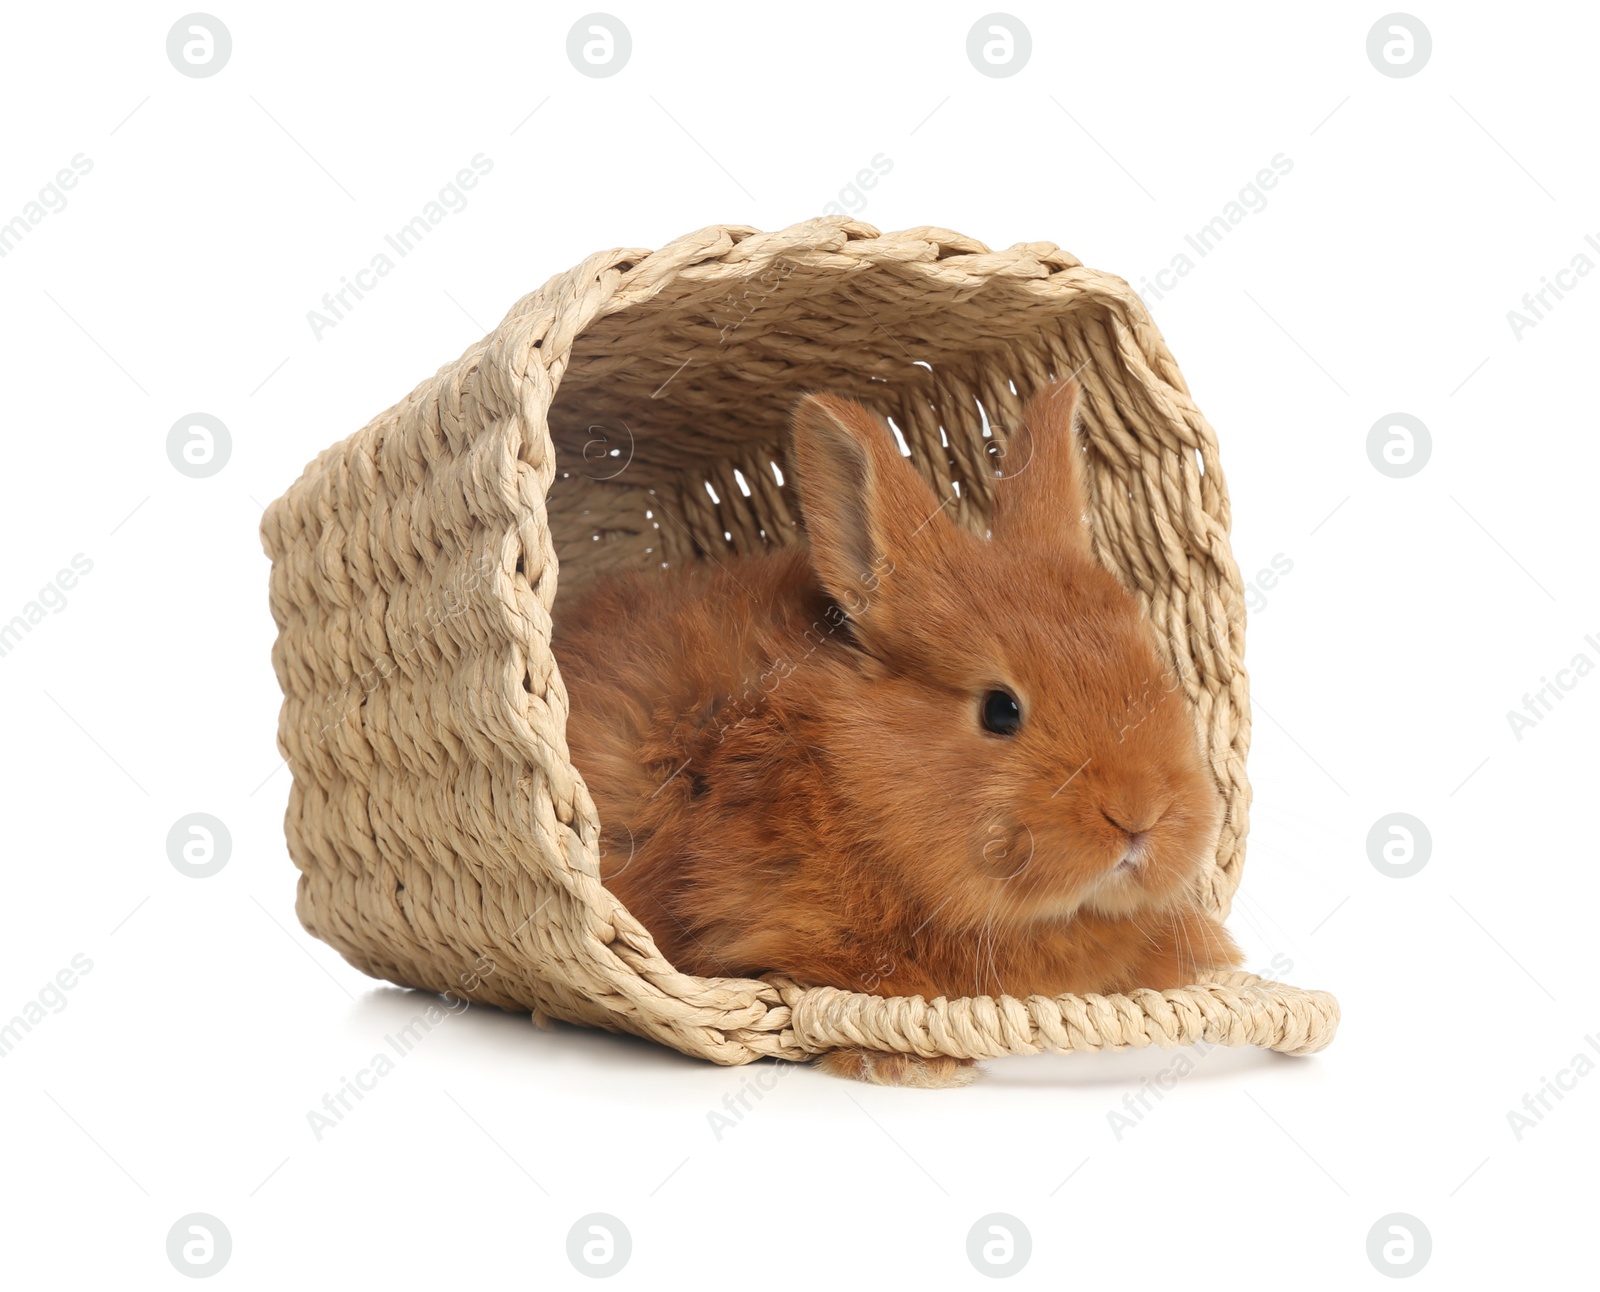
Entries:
{"x":1001,"y":713}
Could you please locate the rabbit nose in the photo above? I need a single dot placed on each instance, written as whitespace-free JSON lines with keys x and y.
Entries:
{"x":1134,"y":832}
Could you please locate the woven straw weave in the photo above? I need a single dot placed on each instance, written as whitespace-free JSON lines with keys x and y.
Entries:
{"x":631,"y":413}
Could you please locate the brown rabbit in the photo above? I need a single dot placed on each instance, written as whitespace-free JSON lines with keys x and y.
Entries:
{"x":905,"y":759}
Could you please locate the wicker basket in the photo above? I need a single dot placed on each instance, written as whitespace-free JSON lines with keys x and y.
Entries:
{"x":630,"y":413}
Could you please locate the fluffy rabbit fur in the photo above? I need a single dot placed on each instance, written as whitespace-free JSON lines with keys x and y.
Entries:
{"x":798,"y":770}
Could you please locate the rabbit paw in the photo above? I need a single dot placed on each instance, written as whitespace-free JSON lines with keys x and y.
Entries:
{"x":878,"y":1068}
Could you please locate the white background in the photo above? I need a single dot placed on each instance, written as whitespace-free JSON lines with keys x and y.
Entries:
{"x":1418,"y":611}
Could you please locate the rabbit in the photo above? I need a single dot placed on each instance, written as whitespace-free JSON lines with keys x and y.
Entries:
{"x":901,"y":758}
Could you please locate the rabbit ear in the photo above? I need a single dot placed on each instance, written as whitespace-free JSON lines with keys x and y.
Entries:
{"x":1039,"y":499}
{"x":864,"y":503}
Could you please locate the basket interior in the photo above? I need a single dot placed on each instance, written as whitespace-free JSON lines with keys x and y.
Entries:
{"x":669,"y":422}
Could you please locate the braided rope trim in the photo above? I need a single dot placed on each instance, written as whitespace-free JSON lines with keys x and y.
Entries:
{"x":1223,"y":1009}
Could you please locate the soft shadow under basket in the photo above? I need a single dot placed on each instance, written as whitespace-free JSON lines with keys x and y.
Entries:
{"x":630,"y":413}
